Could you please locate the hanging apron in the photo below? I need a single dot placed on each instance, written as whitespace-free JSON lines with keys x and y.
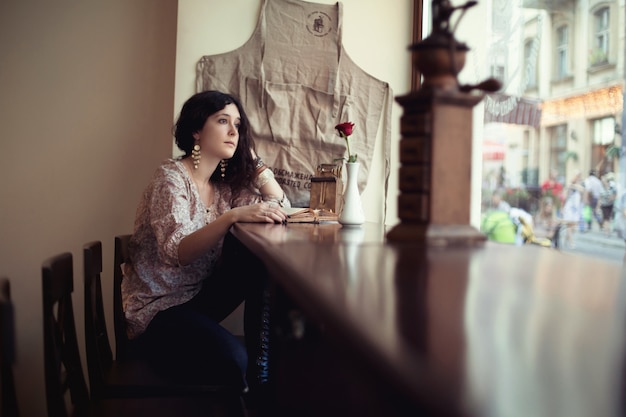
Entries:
{"x":296,"y":83}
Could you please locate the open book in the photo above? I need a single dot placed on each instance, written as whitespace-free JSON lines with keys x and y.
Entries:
{"x":307,"y":215}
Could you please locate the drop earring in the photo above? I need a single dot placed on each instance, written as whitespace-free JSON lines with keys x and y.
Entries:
{"x":223,"y":165}
{"x":195,"y":156}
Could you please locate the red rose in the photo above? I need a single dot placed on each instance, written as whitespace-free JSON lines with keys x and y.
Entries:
{"x":345,"y":128}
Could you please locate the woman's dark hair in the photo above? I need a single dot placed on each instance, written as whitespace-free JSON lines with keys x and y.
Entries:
{"x":196,"y":110}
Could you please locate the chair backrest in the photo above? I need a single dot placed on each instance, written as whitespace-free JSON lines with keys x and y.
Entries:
{"x":8,"y":397}
{"x":63,"y":370}
{"x":119,"y":320}
{"x":97,"y":346}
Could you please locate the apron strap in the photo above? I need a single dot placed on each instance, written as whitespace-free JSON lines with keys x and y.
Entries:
{"x":336,"y":89}
{"x":263,"y":22}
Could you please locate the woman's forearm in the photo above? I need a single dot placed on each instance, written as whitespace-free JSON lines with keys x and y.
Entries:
{"x":273,"y":189}
{"x":203,"y":240}
{"x":266,"y":183}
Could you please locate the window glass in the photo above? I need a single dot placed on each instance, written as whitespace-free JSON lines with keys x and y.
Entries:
{"x":530,"y":64}
{"x":602,"y":136}
{"x":558,"y":150}
{"x":559,"y":113}
{"x":601,"y":44}
{"x":561,"y":51}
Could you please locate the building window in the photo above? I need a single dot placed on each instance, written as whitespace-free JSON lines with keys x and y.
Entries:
{"x":602,"y":136}
{"x":501,"y":15}
{"x":530,"y":172}
{"x":530,"y":65}
{"x":497,"y":72}
{"x":558,"y":149}
{"x":498,"y":56}
{"x":600,"y":49}
{"x":562,"y":39}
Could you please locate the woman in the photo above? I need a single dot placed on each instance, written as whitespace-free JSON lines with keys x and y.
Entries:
{"x":175,"y":290}
{"x":545,"y":220}
{"x":573,"y":208}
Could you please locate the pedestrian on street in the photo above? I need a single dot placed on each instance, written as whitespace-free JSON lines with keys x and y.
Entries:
{"x":593,"y":189}
{"x":573,"y":208}
{"x":620,"y":218}
{"x":551,"y":187}
{"x":545,"y":220}
{"x":607,"y":201}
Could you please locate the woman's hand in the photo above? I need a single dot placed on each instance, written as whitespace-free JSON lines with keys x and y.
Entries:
{"x":197,"y":243}
{"x":265,"y":212}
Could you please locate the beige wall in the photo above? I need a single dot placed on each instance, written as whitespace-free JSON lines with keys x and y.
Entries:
{"x":89,"y":91}
{"x":376,"y":36}
{"x":86,"y":111}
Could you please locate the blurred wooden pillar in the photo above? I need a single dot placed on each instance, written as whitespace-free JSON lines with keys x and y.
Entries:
{"x":435,"y":171}
{"x":436,"y":142}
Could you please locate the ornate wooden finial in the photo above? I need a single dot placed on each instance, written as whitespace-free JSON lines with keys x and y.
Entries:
{"x":442,"y":12}
{"x":440,"y":57}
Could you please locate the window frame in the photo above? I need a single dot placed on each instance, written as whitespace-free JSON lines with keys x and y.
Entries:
{"x":562,"y":52}
{"x":558,"y":149}
{"x":601,"y":35}
{"x":530,"y":65}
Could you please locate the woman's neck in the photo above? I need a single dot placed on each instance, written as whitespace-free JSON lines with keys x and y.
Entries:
{"x":201,"y":177}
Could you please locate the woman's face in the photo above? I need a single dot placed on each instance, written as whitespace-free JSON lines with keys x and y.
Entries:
{"x":220,"y":134}
{"x":547,"y":207}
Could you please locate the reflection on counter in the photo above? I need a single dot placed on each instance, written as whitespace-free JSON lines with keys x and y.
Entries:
{"x":544,"y":348}
{"x":330,"y":232}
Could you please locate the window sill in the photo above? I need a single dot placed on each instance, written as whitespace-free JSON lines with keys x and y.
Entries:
{"x":563,"y":80}
{"x":531,"y":88}
{"x":593,"y":69}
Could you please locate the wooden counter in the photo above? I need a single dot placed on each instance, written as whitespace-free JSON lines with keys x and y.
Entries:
{"x":494,"y":330}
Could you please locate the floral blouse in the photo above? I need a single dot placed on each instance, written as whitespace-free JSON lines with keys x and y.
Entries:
{"x":169,"y":210}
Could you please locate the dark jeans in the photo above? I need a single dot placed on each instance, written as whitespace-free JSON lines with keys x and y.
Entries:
{"x":187,"y":342}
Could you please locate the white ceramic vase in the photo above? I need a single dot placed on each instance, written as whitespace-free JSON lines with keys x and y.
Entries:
{"x":352,"y":211}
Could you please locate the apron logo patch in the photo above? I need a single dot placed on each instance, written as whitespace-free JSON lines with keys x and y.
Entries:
{"x":318,"y":24}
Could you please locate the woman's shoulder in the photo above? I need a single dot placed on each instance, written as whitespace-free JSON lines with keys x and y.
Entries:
{"x":172,"y":164}
{"x":170,"y":168}
{"x":170,"y":171}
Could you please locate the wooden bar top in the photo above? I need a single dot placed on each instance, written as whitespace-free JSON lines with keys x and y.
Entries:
{"x":492,"y":330}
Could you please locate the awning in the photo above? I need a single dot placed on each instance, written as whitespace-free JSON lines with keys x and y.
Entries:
{"x":503,"y":108}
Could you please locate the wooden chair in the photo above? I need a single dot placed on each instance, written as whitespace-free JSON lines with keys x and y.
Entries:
{"x":109,"y":378}
{"x":66,"y":390}
{"x":120,"y":256}
{"x":8,"y":397}
{"x":127,"y":376}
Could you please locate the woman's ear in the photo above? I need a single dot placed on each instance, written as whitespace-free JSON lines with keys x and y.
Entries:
{"x":196,"y":136}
